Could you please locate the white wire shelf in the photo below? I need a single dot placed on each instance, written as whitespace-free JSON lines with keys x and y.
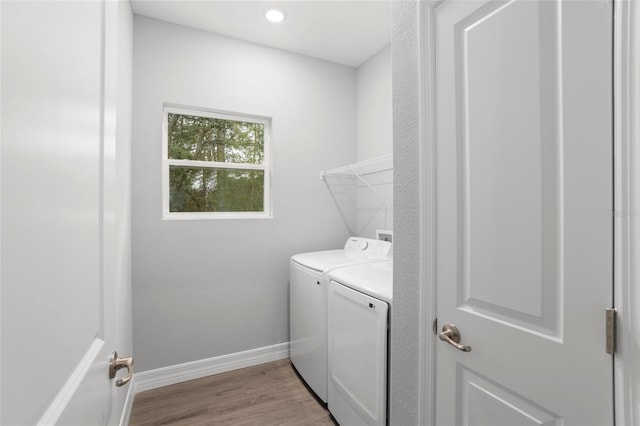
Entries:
{"x":345,"y":183}
{"x":362,"y":168}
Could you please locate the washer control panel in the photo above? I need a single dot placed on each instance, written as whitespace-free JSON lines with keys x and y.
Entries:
{"x":367,"y":248}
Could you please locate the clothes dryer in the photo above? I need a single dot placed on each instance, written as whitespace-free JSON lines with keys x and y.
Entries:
{"x":360,"y":299}
{"x":308,"y":291}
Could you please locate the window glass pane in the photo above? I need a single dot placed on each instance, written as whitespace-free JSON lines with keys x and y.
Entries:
{"x":215,"y":190}
{"x":192,"y":137}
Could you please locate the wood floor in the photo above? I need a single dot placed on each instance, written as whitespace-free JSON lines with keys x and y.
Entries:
{"x":267,"y":394}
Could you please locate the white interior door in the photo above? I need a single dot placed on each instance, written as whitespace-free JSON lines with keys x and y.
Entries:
{"x":58,"y":148}
{"x":524,"y":223}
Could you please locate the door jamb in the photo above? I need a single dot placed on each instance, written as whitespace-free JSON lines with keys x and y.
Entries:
{"x":626,"y":209}
{"x":428,"y":296}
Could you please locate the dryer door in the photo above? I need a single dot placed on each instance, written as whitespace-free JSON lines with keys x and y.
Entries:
{"x":357,"y":357}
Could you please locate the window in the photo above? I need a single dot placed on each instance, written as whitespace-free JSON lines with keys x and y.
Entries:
{"x":216,"y":165}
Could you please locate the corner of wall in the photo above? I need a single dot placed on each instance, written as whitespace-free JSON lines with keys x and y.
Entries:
{"x":374,"y":117}
{"x":405,"y":388}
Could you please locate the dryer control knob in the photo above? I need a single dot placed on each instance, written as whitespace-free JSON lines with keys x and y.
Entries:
{"x":364,"y":246}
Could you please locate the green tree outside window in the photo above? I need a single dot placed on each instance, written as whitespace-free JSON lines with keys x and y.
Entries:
{"x":215,"y":164}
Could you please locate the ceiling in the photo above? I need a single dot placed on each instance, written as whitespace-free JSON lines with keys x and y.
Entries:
{"x":346,"y":32}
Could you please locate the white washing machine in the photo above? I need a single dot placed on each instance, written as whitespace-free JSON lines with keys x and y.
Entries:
{"x":359,"y":303}
{"x":308,"y":295}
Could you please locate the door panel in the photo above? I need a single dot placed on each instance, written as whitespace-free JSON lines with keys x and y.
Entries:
{"x":509,"y":150}
{"x":50,"y":218}
{"x":56,"y":176}
{"x":524,"y":194}
{"x":485,"y":402}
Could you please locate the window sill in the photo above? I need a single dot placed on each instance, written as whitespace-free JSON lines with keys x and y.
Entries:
{"x":216,"y":216}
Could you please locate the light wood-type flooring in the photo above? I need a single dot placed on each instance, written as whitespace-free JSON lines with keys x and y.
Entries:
{"x":266,"y":394}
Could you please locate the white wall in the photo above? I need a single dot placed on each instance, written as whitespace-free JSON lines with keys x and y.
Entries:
{"x":206,"y":288}
{"x":374,"y":139}
{"x":374,"y":107}
{"x":406,"y":368}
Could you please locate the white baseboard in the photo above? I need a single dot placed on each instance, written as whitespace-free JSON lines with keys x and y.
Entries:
{"x":166,"y":376}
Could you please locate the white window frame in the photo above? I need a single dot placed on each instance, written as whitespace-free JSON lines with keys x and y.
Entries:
{"x":166,"y":162}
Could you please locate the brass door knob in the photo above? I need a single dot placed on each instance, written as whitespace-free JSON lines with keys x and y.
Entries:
{"x":451,"y":335}
{"x":116,"y":364}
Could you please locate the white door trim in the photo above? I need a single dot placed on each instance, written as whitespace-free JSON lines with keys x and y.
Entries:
{"x":626,"y":209}
{"x":0,"y":205}
{"x":428,"y":308}
{"x":127,"y":408}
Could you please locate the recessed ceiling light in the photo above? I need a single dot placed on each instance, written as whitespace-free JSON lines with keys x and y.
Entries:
{"x":274,"y":15}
